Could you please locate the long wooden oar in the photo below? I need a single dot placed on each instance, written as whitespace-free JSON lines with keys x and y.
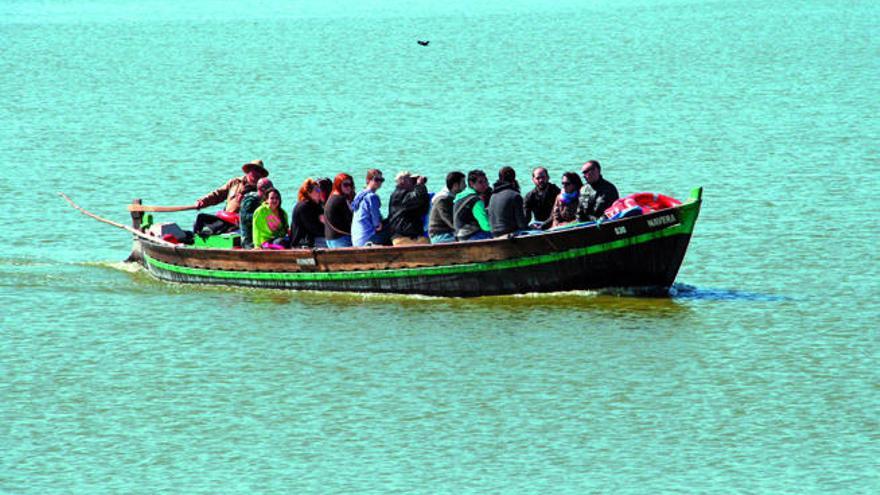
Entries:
{"x":133,"y":207}
{"x":115,"y":224}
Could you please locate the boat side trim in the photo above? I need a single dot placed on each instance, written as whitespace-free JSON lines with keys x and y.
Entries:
{"x":684,"y":228}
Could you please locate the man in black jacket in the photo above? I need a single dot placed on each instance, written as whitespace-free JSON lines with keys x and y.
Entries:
{"x":539,"y":201}
{"x":597,"y":193}
{"x":506,"y":214}
{"x":407,"y":208}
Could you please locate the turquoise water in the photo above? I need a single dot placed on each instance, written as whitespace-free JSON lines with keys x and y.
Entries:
{"x":759,"y":376}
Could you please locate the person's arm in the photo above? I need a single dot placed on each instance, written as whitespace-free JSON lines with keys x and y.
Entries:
{"x":375,"y":212}
{"x":261,"y":232}
{"x":519,"y":213}
{"x":605,"y":199}
{"x":480,"y":215}
{"x":311,"y":221}
{"x":445,"y":213}
{"x":214,"y":197}
{"x":527,"y":206}
{"x":415,"y":200}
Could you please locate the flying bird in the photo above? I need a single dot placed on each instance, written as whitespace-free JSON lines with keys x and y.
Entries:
{"x":423,"y":43}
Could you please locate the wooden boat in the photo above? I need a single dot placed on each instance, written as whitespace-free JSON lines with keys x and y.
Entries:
{"x":641,"y":252}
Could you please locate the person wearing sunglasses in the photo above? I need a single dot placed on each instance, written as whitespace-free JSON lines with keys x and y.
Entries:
{"x":366,"y":223}
{"x":566,"y":206}
{"x":597,"y":194}
{"x":307,"y":220}
{"x":337,"y":212}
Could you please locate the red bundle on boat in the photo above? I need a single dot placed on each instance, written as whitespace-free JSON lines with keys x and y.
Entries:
{"x":648,"y":202}
{"x":228,"y":217}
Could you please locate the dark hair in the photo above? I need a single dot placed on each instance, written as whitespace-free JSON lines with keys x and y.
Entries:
{"x":540,"y":168}
{"x":573,"y":178}
{"x":473,"y":175}
{"x":507,"y":174}
{"x":269,"y":193}
{"x":453,"y":178}
{"x":326,"y":186}
{"x":595,"y":164}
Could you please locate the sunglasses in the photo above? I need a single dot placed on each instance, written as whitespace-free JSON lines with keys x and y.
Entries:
{"x":564,"y":183}
{"x":347,"y":184}
{"x":379,"y":179}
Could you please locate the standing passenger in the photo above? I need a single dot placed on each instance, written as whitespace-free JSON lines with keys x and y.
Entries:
{"x":307,"y":221}
{"x":597,"y":194}
{"x":469,"y":211}
{"x":540,"y":200}
{"x":337,"y":212}
{"x":270,"y":222}
{"x":506,"y":213}
{"x":407,"y":208}
{"x":441,"y":227}
{"x":366,"y":223}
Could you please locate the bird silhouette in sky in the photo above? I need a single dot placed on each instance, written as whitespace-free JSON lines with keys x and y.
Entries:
{"x":423,"y":43}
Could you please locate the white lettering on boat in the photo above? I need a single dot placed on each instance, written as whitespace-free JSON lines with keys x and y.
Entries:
{"x":620,"y":230}
{"x":305,"y":261}
{"x":664,"y":220}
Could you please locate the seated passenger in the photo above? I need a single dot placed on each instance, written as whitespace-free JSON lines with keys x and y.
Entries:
{"x":366,"y":223}
{"x":539,"y":202}
{"x":407,"y":208}
{"x":249,"y":204}
{"x":307,"y":221}
{"x":337,"y":212}
{"x":597,"y":194}
{"x":270,"y":222}
{"x":441,"y":227}
{"x":506,"y":213}
{"x":566,"y":206}
{"x":232,"y":192}
{"x":469,"y":211}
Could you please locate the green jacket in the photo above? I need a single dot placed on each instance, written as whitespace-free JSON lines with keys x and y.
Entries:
{"x":469,"y":214}
{"x":268,"y":226}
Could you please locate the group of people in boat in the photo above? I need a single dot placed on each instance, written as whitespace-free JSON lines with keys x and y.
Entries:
{"x":330,"y":213}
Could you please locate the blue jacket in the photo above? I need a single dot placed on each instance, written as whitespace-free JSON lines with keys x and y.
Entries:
{"x":367,"y":217}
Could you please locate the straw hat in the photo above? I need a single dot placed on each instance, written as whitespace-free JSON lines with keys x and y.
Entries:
{"x":255,"y":164}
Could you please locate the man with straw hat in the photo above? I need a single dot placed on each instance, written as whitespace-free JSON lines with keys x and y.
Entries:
{"x":232,"y":192}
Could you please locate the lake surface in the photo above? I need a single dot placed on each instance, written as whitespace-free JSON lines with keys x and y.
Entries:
{"x":759,"y":376}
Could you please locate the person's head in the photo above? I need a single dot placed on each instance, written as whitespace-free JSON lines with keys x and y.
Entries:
{"x":309,"y":191}
{"x":477,"y":180}
{"x":507,"y":174}
{"x":374,"y":179}
{"x":571,"y":182}
{"x":343,"y":184}
{"x":405,"y":180}
{"x":592,"y":171}
{"x":455,"y":182}
{"x":326,"y":185}
{"x":273,"y":198}
{"x":263,"y":186}
{"x":541,"y":178}
{"x":254,"y":171}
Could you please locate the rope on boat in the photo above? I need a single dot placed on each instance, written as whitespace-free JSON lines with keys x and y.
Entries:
{"x":115,"y":224}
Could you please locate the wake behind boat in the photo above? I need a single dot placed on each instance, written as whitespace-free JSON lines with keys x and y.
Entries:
{"x":638,"y":252}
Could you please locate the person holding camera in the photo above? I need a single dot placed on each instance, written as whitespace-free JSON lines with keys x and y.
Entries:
{"x":407,"y":208}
